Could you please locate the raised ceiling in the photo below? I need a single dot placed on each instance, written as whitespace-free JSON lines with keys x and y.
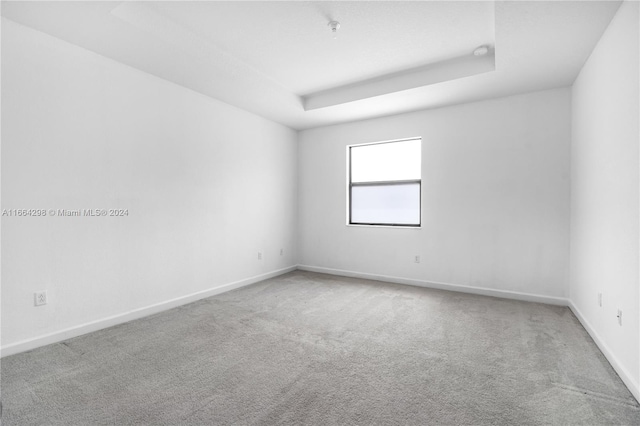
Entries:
{"x":279,"y":60}
{"x":291,"y":43}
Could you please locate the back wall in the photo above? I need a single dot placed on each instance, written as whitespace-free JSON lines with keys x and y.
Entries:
{"x":495,"y":193}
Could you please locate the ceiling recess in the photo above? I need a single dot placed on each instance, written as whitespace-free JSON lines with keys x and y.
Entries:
{"x":275,"y":58}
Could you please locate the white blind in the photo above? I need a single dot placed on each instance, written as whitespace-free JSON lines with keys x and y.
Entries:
{"x":386,"y":204}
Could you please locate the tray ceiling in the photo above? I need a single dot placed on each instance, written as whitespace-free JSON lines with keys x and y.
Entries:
{"x":279,"y":60}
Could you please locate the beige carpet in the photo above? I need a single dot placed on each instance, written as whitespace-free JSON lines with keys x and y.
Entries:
{"x":307,"y":348}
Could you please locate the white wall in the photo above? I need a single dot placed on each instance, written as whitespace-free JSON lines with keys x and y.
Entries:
{"x":495,"y":197}
{"x":604,"y":193}
{"x":207,"y":185}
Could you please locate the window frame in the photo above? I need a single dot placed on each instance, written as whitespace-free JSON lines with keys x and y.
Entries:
{"x":351,"y":184}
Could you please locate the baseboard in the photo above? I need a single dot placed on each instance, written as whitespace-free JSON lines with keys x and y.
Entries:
{"x":504,"y":294}
{"x":613,"y":360}
{"x":68,"y":333}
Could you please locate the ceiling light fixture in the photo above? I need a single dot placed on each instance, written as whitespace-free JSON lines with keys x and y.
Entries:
{"x":335,"y":26}
{"x":481,"y":51}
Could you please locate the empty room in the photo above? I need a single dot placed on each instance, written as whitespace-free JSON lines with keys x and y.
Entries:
{"x":320,"y":213}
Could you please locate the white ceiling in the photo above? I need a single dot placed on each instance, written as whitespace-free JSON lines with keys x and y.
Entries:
{"x":291,"y":42}
{"x":273,"y":58}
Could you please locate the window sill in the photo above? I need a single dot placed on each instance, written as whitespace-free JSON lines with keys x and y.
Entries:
{"x":383,"y":226}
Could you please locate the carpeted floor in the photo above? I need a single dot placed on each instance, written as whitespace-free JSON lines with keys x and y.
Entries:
{"x":307,"y":348}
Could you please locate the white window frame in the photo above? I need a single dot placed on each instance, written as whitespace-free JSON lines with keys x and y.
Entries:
{"x":351,"y":184}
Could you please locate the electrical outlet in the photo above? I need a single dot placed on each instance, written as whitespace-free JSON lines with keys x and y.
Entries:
{"x":600,"y":299}
{"x":40,"y":298}
{"x":259,"y":255}
{"x":619,"y":317}
{"x":281,"y":252}
{"x":416,"y":259}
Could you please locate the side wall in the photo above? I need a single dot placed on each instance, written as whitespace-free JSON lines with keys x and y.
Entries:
{"x":604,"y":194}
{"x":495,"y":199}
{"x":206,"y":186}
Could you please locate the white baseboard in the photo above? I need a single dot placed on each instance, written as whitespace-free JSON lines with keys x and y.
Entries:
{"x":613,"y":360}
{"x":504,"y":294}
{"x":68,"y":333}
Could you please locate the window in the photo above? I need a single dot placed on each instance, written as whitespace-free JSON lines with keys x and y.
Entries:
{"x":385,"y":183}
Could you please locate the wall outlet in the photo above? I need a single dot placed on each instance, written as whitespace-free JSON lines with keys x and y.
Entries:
{"x":281,"y":252}
{"x":416,"y":259}
{"x":600,"y":299}
{"x":40,"y":298}
{"x":259,"y":255}
{"x":619,"y":317}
